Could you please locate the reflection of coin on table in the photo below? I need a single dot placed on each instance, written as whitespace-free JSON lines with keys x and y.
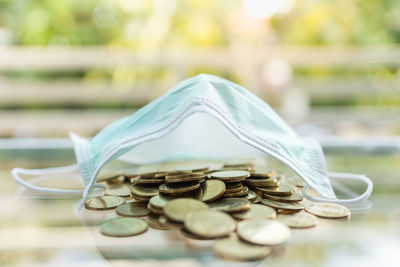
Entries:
{"x":328,"y":210}
{"x":211,"y":205}
{"x":121,"y":227}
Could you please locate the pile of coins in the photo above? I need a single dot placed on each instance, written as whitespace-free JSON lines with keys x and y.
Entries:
{"x":244,"y":211}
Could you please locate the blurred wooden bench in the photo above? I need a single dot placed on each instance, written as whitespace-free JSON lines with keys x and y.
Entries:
{"x":58,"y":103}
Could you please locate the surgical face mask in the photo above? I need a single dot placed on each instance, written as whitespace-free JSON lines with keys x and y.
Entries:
{"x":204,"y":117}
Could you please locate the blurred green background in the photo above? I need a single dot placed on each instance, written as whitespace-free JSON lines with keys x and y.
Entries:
{"x":328,"y":67}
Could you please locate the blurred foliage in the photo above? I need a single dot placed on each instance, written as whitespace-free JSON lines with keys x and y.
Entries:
{"x":136,"y":24}
{"x":342,"y":22}
{"x":150,"y":24}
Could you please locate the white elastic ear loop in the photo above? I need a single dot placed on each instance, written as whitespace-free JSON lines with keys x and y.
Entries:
{"x":17,"y":171}
{"x":343,"y":176}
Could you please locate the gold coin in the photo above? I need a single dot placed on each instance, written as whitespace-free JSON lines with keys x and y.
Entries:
{"x":256,"y":211}
{"x":210,"y":171}
{"x":234,"y":189}
{"x":152,"y":175}
{"x":263,"y":232}
{"x":189,"y":235}
{"x":298,"y":220}
{"x":209,"y":223}
{"x":179,"y":187}
{"x":258,"y":199}
{"x":142,"y":200}
{"x":241,"y":193}
{"x":139,"y":180}
{"x":132,"y":209}
{"x":193,"y":177}
{"x":295,"y":197}
{"x":194,"y":168}
{"x":147,"y":175}
{"x":238,"y":164}
{"x":177,"y":209}
{"x":176,"y":176}
{"x":212,"y":190}
{"x":104,"y":202}
{"x":282,"y":190}
{"x":328,"y":210}
{"x":251,"y":196}
{"x":171,"y":173}
{"x":154,"y":209}
{"x":282,"y":206}
{"x":287,"y":211}
{"x":234,"y":185}
{"x":158,"y":222}
{"x":232,"y":176}
{"x":248,"y":169}
{"x":144,"y":190}
{"x":157,"y":202}
{"x":270,"y":182}
{"x":197,"y":179}
{"x":195,"y":194}
{"x":118,"y":180}
{"x":244,"y":168}
{"x":166,"y":197}
{"x":169,"y":224}
{"x":123,"y":226}
{"x":153,"y":221}
{"x":260,"y":175}
{"x":232,"y":248}
{"x":230,"y":205}
{"x":119,"y":190}
{"x":255,"y":189}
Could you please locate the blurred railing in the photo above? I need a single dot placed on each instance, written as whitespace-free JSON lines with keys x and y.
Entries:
{"x":292,"y":99}
{"x":83,"y":58}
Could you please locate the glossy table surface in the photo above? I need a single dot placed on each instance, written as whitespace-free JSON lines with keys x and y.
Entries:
{"x":37,"y":231}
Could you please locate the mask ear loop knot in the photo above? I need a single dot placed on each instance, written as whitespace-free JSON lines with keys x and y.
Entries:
{"x":347,"y":202}
{"x":16,"y":172}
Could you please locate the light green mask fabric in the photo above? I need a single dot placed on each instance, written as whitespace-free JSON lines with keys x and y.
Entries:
{"x":248,"y":118}
{"x":204,"y":117}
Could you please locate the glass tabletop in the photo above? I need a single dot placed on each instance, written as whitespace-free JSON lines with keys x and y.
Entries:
{"x":37,"y":231}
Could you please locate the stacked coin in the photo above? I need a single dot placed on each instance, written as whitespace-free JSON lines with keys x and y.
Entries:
{"x":275,"y":189}
{"x":233,"y":182}
{"x":206,"y":205}
{"x":156,"y":205}
{"x":239,"y":165}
